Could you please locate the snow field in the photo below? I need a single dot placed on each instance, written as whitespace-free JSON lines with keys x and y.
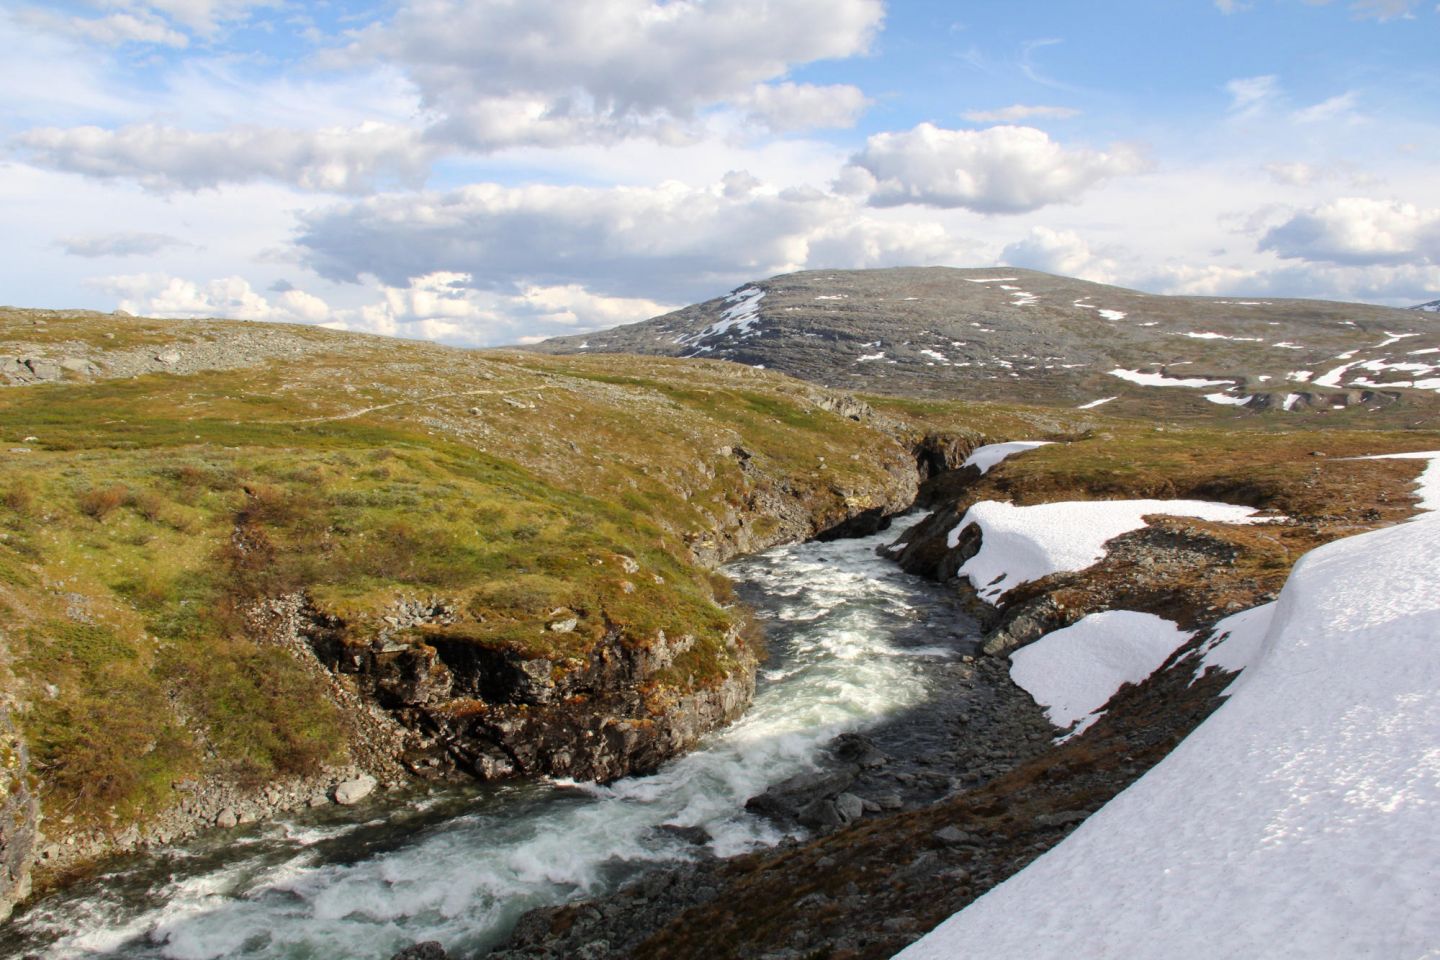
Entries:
{"x":1021,"y":544}
{"x":1298,"y":821}
{"x":983,"y":458}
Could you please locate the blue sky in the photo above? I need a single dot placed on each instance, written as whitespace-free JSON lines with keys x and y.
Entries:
{"x":495,"y":171}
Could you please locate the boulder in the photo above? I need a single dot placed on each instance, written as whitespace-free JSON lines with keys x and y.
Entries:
{"x":350,"y":792}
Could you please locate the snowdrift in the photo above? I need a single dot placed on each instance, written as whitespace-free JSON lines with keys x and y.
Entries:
{"x":1300,"y":820}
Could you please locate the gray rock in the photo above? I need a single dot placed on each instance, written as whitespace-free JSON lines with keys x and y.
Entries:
{"x":227,"y":818}
{"x":429,"y":950}
{"x":952,"y":835}
{"x":567,"y":625}
{"x":350,"y":792}
{"x":77,"y":365}
{"x":43,"y":369}
{"x":1062,"y":819}
{"x":168,"y":357}
{"x":850,"y":807}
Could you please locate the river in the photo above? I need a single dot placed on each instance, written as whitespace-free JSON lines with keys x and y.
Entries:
{"x":853,"y":641}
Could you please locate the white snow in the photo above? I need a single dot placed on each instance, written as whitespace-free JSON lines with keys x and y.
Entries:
{"x":1331,"y":378}
{"x":1290,"y":400}
{"x":991,"y":279}
{"x":1427,"y":485}
{"x":1300,"y":376}
{"x":983,"y":458}
{"x":740,"y":316}
{"x":1113,"y":314}
{"x":1073,"y":672}
{"x":1416,"y":353}
{"x":1160,"y":380}
{"x":865,"y":357}
{"x":1298,"y":821}
{"x":1236,"y":641}
{"x":1227,"y":400}
{"x":1287,"y":345}
{"x":1095,"y":403}
{"x":1393,"y":338}
{"x":837,"y":296}
{"x":1209,"y":335}
{"x":1021,"y":544}
{"x":935,"y":355}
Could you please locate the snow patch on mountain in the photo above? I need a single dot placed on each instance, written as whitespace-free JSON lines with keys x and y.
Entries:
{"x":983,"y":458}
{"x":1161,"y":380}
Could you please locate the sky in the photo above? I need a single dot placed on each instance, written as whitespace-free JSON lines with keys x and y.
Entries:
{"x":486,"y":172}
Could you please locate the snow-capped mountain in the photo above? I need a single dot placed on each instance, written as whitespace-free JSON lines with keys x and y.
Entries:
{"x":1432,"y":307}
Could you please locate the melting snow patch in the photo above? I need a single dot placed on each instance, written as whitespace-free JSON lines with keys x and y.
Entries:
{"x":1290,"y":400}
{"x":991,"y":279}
{"x":935,"y":355}
{"x":1286,"y":345}
{"x":1160,"y":380}
{"x":1300,"y":376}
{"x":863,"y":358}
{"x":1297,"y":821}
{"x":1416,"y":353}
{"x":1331,"y":378}
{"x":1427,"y":485}
{"x":838,"y":296}
{"x":1095,"y":403}
{"x":1021,"y":544}
{"x":1209,"y":335}
{"x":1073,"y":672}
{"x":983,"y":458}
{"x":1227,"y":400}
{"x":740,"y":316}
{"x":1113,"y":314}
{"x":1393,"y":338}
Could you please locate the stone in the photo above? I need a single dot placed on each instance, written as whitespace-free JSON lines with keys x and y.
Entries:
{"x":850,"y":807}
{"x":952,"y":835}
{"x":429,"y":950}
{"x":43,"y":369}
{"x":168,"y":357}
{"x":227,"y":818}
{"x":567,"y":625}
{"x":77,"y":365}
{"x":350,"y":792}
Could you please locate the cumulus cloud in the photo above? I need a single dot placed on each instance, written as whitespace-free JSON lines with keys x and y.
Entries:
{"x":336,"y":159}
{"x":673,"y":241}
{"x":1020,"y":111}
{"x":125,"y":244}
{"x":1359,"y":231}
{"x":785,"y":107}
{"x":501,"y":73}
{"x":1394,"y":285}
{"x":160,"y":295}
{"x":1002,"y":169}
{"x":1061,"y":252}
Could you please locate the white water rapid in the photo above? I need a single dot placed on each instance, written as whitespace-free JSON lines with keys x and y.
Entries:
{"x":848,"y":649}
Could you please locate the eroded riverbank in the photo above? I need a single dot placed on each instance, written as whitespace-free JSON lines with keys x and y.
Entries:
{"x":854,"y":646}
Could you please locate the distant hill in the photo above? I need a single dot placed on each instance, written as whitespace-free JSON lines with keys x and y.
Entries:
{"x":1432,"y":307}
{"x":1021,"y":335}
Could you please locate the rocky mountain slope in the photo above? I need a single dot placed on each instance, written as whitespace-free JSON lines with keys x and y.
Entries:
{"x":1432,"y":307}
{"x":1029,"y":337}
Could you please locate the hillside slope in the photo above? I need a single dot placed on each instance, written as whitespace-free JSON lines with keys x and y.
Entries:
{"x":1024,"y":336}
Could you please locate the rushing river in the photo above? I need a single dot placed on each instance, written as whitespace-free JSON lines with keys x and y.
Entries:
{"x":853,"y":641}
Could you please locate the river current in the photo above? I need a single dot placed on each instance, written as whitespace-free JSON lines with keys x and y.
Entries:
{"x":853,"y":642}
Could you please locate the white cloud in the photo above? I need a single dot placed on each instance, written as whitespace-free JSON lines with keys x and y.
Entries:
{"x":673,"y":242}
{"x":1020,"y":111}
{"x":1337,"y":109}
{"x":337,"y":159}
{"x":1061,"y":252}
{"x":1251,"y":95}
{"x":1359,"y":231}
{"x":159,"y":295}
{"x":110,"y":30}
{"x":125,"y":244}
{"x":501,"y":73}
{"x":784,"y":107}
{"x":998,"y":170}
{"x":1295,"y":174}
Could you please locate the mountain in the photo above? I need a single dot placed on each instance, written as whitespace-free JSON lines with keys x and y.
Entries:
{"x":1432,"y":307}
{"x":1020,"y":335}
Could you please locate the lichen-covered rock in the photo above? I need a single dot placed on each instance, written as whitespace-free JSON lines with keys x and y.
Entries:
{"x":19,"y":815}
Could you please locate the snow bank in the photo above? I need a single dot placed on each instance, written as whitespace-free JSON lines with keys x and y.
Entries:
{"x":1020,"y":544}
{"x":983,"y":458}
{"x":1160,"y":380}
{"x":1073,"y":672}
{"x":1297,"y":822}
{"x":1236,"y":641}
{"x":1096,"y":403}
{"x":1427,"y":485}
